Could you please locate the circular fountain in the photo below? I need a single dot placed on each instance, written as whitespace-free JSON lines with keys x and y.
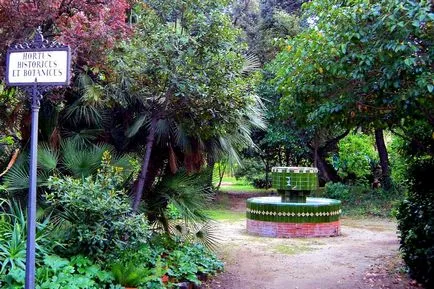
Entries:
{"x":293,"y":214}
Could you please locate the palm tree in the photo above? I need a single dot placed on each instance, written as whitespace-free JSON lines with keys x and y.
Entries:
{"x":73,"y":158}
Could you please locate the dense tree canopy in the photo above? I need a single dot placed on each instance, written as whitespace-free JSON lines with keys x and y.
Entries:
{"x":169,"y":90}
{"x":360,"y":62}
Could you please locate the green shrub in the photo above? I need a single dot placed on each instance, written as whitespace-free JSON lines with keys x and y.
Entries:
{"x":356,"y":157}
{"x":163,"y":255}
{"x":77,"y":273}
{"x":416,"y":223}
{"x":130,"y":274}
{"x":187,"y":261}
{"x":172,"y":212}
{"x":261,"y":183}
{"x":253,"y":170}
{"x":13,"y":237}
{"x":363,"y":200}
{"x":398,"y":160}
{"x":337,"y":191}
{"x":97,"y":212}
{"x":140,"y":266}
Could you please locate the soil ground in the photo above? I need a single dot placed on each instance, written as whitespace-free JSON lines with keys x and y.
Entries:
{"x":365,"y":256}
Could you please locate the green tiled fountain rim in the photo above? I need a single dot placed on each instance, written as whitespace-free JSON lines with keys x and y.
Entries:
{"x":276,"y":201}
{"x":316,"y":210}
{"x":297,"y":170}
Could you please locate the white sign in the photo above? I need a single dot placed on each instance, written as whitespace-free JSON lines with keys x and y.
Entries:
{"x":41,"y":66}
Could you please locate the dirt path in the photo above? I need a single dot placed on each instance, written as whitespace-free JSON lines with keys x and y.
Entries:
{"x":365,"y":256}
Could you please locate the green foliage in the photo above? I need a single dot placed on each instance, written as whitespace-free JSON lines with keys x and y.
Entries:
{"x":398,"y":160}
{"x":188,"y":193}
{"x":163,"y":256}
{"x":169,"y":69}
{"x":363,"y":200}
{"x":56,"y":273}
{"x":252,"y":169}
{"x":416,"y":223}
{"x":13,"y":232}
{"x":10,"y":135}
{"x":359,"y":62}
{"x":356,"y":157}
{"x":130,"y":274}
{"x":74,"y":158}
{"x":97,"y":212}
{"x":172,"y":212}
{"x":185,"y":261}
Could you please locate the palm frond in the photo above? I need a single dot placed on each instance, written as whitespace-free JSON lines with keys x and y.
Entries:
{"x":80,"y":160}
{"x":17,"y":178}
{"x":162,"y":130}
{"x":181,"y":137}
{"x":47,"y":157}
{"x":188,"y":194}
{"x":137,"y":125}
{"x":204,"y":233}
{"x":123,"y":161}
{"x":84,"y":136}
{"x":251,"y":64}
{"x":82,"y":112}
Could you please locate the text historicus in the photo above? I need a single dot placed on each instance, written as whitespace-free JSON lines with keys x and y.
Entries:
{"x":42,"y":66}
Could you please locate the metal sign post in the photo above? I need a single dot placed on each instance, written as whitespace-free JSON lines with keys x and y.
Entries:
{"x":36,"y":66}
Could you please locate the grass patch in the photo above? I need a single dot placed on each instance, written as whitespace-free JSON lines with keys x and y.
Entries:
{"x":291,"y":249}
{"x":225,"y":215}
{"x":243,"y":188}
{"x":231,"y":184}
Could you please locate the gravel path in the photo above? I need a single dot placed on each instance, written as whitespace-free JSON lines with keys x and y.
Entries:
{"x":364,"y":256}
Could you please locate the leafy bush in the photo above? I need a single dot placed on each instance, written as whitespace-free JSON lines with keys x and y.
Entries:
{"x":172,"y":212}
{"x":188,"y":261}
{"x":253,"y":170}
{"x":363,"y":200}
{"x":261,"y":183}
{"x":185,"y":261}
{"x":13,"y":237}
{"x":416,"y":223}
{"x":163,"y":256}
{"x":398,"y":161}
{"x":97,"y":212}
{"x":130,"y":274}
{"x":77,"y":273}
{"x":356,"y":157}
{"x":337,"y":191}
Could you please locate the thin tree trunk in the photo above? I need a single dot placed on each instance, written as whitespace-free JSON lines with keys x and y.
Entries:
{"x":145,"y":166}
{"x":221,"y":172}
{"x":386,"y":182}
{"x":210,"y":165}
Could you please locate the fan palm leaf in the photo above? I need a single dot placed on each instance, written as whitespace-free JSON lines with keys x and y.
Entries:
{"x":47,"y":157}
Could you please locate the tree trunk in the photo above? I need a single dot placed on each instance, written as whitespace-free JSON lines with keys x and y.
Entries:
{"x":384,"y":159}
{"x":221,"y":172}
{"x":210,"y":162}
{"x":145,"y":166}
{"x":326,"y":172}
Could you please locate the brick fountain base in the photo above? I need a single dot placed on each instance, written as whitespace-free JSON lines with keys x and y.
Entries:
{"x":269,"y":217}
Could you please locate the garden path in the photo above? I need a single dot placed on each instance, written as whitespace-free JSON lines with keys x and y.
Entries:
{"x":364,"y":256}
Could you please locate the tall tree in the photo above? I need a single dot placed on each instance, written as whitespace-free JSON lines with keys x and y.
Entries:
{"x":180,"y":85}
{"x":90,"y":27}
{"x":360,"y":63}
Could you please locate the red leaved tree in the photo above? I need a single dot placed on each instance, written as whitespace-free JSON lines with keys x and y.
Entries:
{"x":90,"y":27}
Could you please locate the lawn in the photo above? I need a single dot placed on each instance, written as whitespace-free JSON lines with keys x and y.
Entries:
{"x":225,"y":215}
{"x":231,"y":184}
